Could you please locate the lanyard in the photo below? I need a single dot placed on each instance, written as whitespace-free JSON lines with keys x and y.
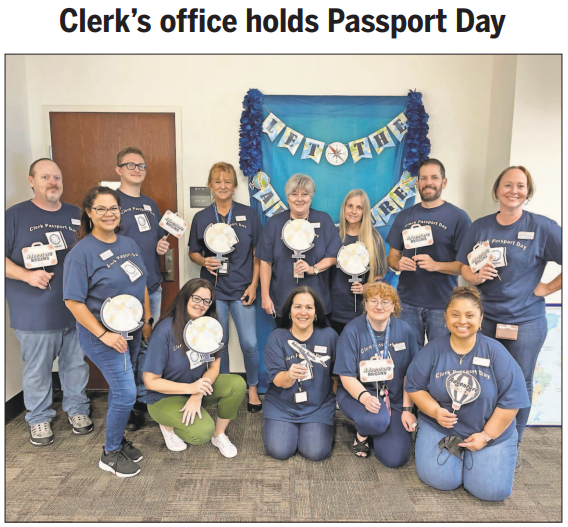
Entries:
{"x":229,"y":216}
{"x":385,"y":354}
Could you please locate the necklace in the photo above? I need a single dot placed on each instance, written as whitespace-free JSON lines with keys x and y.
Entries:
{"x":461,"y":356}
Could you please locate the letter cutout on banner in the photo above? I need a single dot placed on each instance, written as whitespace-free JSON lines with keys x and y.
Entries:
{"x":376,"y":217}
{"x":291,"y":140}
{"x":387,"y":207}
{"x":272,"y":126}
{"x":313,"y":149}
{"x":359,"y":149}
{"x":398,"y":126}
{"x":267,"y":197}
{"x":381,"y":139}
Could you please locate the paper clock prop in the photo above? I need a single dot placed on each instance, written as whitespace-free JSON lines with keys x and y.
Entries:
{"x":417,"y":236}
{"x":39,"y":255}
{"x":122,"y":314}
{"x":353,"y":259}
{"x":480,"y":256}
{"x":173,"y":223}
{"x":203,"y":337}
{"x":298,"y":235}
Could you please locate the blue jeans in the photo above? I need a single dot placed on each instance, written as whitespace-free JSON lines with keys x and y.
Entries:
{"x":391,"y":442}
{"x":312,"y":440}
{"x":244,"y":318}
{"x":525,"y":351}
{"x":39,"y":349}
{"x":424,"y":321}
{"x":122,"y":389}
{"x":490,"y":478}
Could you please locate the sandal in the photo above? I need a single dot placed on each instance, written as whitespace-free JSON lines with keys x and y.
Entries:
{"x":361,"y":447}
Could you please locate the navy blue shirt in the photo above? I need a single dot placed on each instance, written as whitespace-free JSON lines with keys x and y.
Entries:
{"x":32,"y":308}
{"x":511,"y":299}
{"x":139,"y":220}
{"x":271,"y":249}
{"x":168,"y":358}
{"x":279,"y":403}
{"x":355,"y":345}
{"x":449,"y":224}
{"x":502,"y":384}
{"x":90,"y":279}
{"x":248,"y":229}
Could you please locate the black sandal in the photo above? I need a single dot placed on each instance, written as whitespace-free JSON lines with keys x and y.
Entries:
{"x":361,"y":447}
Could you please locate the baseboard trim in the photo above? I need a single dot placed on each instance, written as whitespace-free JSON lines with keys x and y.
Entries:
{"x":14,"y":407}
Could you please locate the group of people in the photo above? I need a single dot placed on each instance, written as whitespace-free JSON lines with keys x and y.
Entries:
{"x":357,"y":345}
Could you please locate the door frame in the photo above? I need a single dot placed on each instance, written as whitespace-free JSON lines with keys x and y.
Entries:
{"x":176,"y":110}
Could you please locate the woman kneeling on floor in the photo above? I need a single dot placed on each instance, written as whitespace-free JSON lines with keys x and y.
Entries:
{"x":170,"y":379}
{"x":468,"y":389}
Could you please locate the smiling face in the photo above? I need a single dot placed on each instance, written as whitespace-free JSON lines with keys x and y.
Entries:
{"x":299,"y":201}
{"x":303,"y":311}
{"x":196,"y":309}
{"x":47,"y":182}
{"x":135,"y":176}
{"x":354,"y":210}
{"x":430,"y":182}
{"x":513,"y":190}
{"x":222,"y":185}
{"x":463,"y":318}
{"x":379,"y":309}
{"x":107,"y":221}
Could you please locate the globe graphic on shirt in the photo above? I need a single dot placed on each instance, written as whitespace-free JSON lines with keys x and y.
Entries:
{"x":122,"y":313}
{"x":353,"y":258}
{"x":220,"y":238}
{"x":204,"y":335}
{"x":299,"y":234}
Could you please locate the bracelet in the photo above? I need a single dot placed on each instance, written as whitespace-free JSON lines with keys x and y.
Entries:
{"x":102,"y":335}
{"x":408,"y":409}
{"x":359,"y":398}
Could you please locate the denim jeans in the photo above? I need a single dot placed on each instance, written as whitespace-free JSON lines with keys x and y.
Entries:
{"x":244,"y":318}
{"x":424,"y":321}
{"x":490,"y":478}
{"x":312,"y":440}
{"x":525,"y":351}
{"x":122,"y":389}
{"x":39,"y":349}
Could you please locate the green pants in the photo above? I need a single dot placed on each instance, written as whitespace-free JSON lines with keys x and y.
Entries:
{"x":228,"y":391}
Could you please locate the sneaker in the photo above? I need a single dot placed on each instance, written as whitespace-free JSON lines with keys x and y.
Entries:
{"x":41,"y":434}
{"x":223,"y":443}
{"x":81,"y":424}
{"x":133,"y":453}
{"x":119,"y":464}
{"x":135,"y":420}
{"x":173,"y":442}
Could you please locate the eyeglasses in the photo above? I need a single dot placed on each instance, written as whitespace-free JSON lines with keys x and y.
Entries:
{"x":132,"y":166}
{"x":385,"y":303}
{"x":101,"y":211}
{"x":198,"y":299}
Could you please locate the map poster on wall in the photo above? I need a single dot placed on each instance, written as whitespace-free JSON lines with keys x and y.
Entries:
{"x":547,"y":385}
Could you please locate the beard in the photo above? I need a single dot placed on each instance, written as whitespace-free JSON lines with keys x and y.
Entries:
{"x":53,"y":195}
{"x":433,"y":197}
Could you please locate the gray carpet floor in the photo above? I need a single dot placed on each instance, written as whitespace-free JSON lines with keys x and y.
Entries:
{"x":62,"y":482}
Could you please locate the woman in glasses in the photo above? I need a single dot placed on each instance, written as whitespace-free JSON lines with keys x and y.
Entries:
{"x":177,"y":389}
{"x":104,"y":265}
{"x":373,"y":354}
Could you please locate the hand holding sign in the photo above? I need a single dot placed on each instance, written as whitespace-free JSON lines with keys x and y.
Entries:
{"x":298,"y":235}
{"x":203,"y":337}
{"x":39,"y":279}
{"x":39,"y":255}
{"x":173,"y":223}
{"x":481,"y":257}
{"x":353,"y":259}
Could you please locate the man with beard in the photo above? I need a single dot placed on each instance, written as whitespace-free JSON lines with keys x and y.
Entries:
{"x":428,"y":274}
{"x":43,"y":325}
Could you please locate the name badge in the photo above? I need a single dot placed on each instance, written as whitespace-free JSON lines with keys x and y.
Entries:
{"x":75,"y":221}
{"x":301,"y":397}
{"x":39,"y":255}
{"x":241,"y":218}
{"x":132,"y":270}
{"x":499,"y":256}
{"x":525,"y":235}
{"x":106,"y":255}
{"x":480,"y":255}
{"x":142,"y":222}
{"x":481,"y":362}
{"x":320,"y":349}
{"x":417,"y":236}
{"x":173,"y":223}
{"x":376,"y":370}
{"x":316,"y":225}
{"x":57,"y":240}
{"x":399,"y":346}
{"x":147,"y":207}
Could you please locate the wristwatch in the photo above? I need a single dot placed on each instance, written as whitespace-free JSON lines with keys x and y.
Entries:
{"x":408,"y":409}
{"x":316,"y":270}
{"x":149,"y":321}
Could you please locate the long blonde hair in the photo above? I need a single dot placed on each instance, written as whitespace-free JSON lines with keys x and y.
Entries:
{"x":368,"y":235}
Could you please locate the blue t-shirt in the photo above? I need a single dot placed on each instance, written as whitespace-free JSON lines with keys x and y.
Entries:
{"x":139,"y":220}
{"x":502,"y":384}
{"x":167,"y":358}
{"x":449,"y":224}
{"x":248,"y":229}
{"x":95,"y":270}
{"x":271,"y":249}
{"x":511,"y":299}
{"x":32,"y":308}
{"x":356,"y":345}
{"x":279,"y":403}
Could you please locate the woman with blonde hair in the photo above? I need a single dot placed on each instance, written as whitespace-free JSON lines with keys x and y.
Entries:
{"x":355,"y":226}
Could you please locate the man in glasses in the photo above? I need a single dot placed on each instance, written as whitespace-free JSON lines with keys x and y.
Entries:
{"x":139,"y":221}
{"x":43,"y":325}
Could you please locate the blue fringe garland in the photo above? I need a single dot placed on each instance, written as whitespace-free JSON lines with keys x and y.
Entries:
{"x":250,"y":154}
{"x":417,"y":145}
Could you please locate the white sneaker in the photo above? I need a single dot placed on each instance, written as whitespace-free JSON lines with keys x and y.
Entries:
{"x":223,"y":443}
{"x":173,"y":442}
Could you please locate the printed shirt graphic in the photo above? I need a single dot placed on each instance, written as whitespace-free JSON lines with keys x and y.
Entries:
{"x":233,"y":285}
{"x":271,"y":249}
{"x":511,"y":299}
{"x":147,"y":239}
{"x":502,"y":383}
{"x":355,"y":345}
{"x":31,"y":308}
{"x":279,"y":403}
{"x":449,"y":224}
{"x":89,"y":279}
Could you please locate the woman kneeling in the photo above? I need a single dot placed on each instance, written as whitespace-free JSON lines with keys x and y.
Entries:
{"x":170,"y":378}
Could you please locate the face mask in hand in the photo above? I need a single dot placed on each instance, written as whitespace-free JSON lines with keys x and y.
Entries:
{"x":450,"y":443}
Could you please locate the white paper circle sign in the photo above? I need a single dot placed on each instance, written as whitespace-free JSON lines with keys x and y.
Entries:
{"x":298,"y":235}
{"x":220,"y":238}
{"x":122,"y":314}
{"x":463,"y":388}
{"x":353,"y":259}
{"x":203,"y":337}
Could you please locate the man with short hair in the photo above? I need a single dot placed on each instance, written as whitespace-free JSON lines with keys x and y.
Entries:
{"x":43,"y":325}
{"x":430,"y":273}
{"x":140,"y":219}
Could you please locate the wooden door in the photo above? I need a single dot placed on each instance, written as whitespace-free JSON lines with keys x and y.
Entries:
{"x":85,"y":144}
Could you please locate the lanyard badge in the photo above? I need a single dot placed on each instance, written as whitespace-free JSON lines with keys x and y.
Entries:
{"x":301,"y":396}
